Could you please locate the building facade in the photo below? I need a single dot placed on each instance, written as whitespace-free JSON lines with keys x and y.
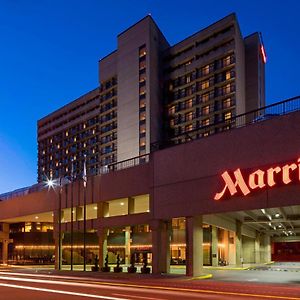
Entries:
{"x":186,"y":165}
{"x":151,"y":93}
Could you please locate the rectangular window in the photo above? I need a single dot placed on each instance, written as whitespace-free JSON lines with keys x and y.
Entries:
{"x":227,"y":103}
{"x":205,"y":110}
{"x":205,"y":122}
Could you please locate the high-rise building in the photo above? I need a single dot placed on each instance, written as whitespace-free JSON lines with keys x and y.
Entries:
{"x":152,"y":92}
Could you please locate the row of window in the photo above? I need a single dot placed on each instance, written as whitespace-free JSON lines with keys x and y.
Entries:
{"x":142,"y":99}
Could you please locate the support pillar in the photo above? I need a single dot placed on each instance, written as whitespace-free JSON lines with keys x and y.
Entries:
{"x":238,"y":243}
{"x":267,"y":248}
{"x":127,"y":244}
{"x":214,"y":246}
{"x":161,"y":235}
{"x":102,"y":234}
{"x":58,"y":252}
{"x":257,"y":248}
{"x":194,"y":246}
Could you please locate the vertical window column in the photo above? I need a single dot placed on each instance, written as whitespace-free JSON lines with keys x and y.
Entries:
{"x":142,"y":100}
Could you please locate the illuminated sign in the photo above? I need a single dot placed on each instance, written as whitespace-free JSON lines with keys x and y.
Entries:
{"x":258,"y":179}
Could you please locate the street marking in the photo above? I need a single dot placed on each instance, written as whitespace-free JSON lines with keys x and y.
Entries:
{"x":139,"y":297}
{"x":60,"y":292}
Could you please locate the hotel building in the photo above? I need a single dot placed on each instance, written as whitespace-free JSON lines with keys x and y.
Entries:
{"x":185,"y":163}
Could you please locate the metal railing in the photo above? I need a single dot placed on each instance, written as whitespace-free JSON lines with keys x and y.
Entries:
{"x":125,"y":164}
{"x":251,"y":117}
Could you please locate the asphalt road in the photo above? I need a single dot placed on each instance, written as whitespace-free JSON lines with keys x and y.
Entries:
{"x":24,"y":286}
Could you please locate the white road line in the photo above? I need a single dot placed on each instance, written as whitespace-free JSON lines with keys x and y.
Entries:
{"x":60,"y":292}
{"x":139,"y":297}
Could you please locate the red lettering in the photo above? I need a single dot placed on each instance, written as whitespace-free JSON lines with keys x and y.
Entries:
{"x":232,"y":185}
{"x":256,"y":179}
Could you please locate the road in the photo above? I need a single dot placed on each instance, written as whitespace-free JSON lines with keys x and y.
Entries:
{"x":25,"y":286}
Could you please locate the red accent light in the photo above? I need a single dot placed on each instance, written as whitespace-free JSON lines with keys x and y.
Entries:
{"x":263,"y":53}
{"x":257,"y":179}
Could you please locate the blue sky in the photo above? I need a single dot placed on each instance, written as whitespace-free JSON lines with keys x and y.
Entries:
{"x":50,"y":50}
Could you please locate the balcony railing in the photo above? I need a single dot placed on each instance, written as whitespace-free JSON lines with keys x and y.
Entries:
{"x":124,"y":164}
{"x":254,"y":116}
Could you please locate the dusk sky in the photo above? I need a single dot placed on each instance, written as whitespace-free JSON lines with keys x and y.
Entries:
{"x":50,"y":50}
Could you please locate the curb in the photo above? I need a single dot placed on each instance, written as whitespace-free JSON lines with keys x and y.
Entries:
{"x":207,"y":276}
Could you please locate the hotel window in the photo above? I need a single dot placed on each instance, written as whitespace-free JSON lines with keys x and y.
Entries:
{"x":172,"y":110}
{"x":227,"y":116}
{"x":142,"y":64}
{"x":188,"y":79}
{"x":142,"y":99}
{"x":189,"y":116}
{"x":189,"y":127}
{"x":227,"y":103}
{"x":142,"y":51}
{"x":189,"y":103}
{"x":205,"y":70}
{"x":205,"y":110}
{"x":227,"y":60}
{"x":204,"y":97}
{"x":228,"y":88}
{"x":204,"y":84}
{"x":205,"y":122}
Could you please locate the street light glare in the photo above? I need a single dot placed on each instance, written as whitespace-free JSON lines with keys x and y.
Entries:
{"x":50,"y":183}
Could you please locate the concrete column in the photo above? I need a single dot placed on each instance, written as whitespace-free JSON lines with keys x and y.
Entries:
{"x":5,"y":243}
{"x":194,"y":247}
{"x":257,"y":248}
{"x":102,"y":234}
{"x":58,"y":250}
{"x":214,"y":246}
{"x":238,"y":243}
{"x":160,"y":246}
{"x":266,"y":241}
{"x":103,"y":210}
{"x":130,"y":205}
{"x":127,"y":245}
{"x":226,"y":244}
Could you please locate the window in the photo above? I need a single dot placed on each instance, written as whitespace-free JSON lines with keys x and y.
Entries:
{"x":205,"y":122}
{"x":227,"y":115}
{"x":204,"y":84}
{"x":189,"y":116}
{"x":189,"y":127}
{"x":205,"y":70}
{"x":172,"y":110}
{"x":227,"y":103}
{"x":205,"y":110}
{"x":189,"y":103}
{"x":142,"y":51}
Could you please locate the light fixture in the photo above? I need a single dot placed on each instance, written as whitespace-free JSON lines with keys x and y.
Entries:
{"x":277,"y":215}
{"x":122,"y":203}
{"x":95,"y":207}
{"x":36,"y":217}
{"x":280,"y":226}
{"x":50,"y":183}
{"x":263,"y":211}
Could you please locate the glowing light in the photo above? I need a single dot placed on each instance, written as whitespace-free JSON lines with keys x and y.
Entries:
{"x":50,"y":183}
{"x":95,"y":207}
{"x":263,"y":53}
{"x":36,"y":217}
{"x":122,"y":203}
{"x":256,"y":180}
{"x":277,"y":215}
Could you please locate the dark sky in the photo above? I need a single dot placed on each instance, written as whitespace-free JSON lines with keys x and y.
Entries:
{"x":49,"y":51}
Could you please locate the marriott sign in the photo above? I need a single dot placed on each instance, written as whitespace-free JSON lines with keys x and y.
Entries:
{"x":258,"y":179}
